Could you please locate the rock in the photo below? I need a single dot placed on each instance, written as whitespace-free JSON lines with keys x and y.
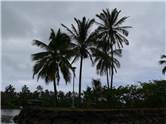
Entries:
{"x":95,"y":116}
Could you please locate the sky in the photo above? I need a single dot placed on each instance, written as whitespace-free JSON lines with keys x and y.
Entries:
{"x":22,"y":22}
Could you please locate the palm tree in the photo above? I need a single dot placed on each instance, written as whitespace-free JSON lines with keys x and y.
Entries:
{"x":104,"y":61}
{"x":82,"y":40}
{"x":163,"y":62}
{"x":111,"y":31}
{"x":96,"y":84}
{"x":53,"y":59}
{"x":97,"y":90}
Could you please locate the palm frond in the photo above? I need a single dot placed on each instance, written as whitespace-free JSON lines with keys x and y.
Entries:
{"x":65,"y":71}
{"x":164,"y":70}
{"x":40,"y":44}
{"x":121,"y":20}
{"x":123,"y":31}
{"x":163,"y":56}
{"x":52,"y":35}
{"x":40,"y":55}
{"x":90,"y":56}
{"x":124,"y":39}
{"x":117,"y":52}
{"x":162,"y":62}
{"x":70,"y":31}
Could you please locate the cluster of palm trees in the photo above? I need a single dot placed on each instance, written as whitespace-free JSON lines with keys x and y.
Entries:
{"x":102,"y":45}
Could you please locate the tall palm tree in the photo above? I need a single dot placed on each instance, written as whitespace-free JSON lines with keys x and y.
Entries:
{"x":104,"y":61}
{"x":82,"y":40}
{"x":112,"y":32}
{"x":53,"y":59}
{"x":163,"y":62}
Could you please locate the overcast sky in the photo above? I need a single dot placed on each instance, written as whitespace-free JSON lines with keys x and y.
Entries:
{"x":23,"y":22}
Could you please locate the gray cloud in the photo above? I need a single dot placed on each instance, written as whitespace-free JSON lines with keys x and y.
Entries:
{"x":24,"y":21}
{"x":14,"y":24}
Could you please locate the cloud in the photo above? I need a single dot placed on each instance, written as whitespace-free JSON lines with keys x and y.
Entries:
{"x":24,"y":21}
{"x":14,"y":24}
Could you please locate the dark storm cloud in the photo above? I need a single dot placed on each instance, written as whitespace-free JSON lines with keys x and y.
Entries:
{"x":24,"y":21}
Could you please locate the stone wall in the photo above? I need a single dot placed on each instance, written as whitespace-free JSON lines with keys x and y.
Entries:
{"x":95,"y":116}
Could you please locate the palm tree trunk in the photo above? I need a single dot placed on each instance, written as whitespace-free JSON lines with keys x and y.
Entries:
{"x":107,"y":80}
{"x":55,"y":92}
{"x":112,"y":68}
{"x":80,"y":77}
{"x":112,"y":75}
{"x":73,"y":104}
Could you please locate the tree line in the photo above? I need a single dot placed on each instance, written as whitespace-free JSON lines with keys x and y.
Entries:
{"x":146,"y":95}
{"x":102,"y":45}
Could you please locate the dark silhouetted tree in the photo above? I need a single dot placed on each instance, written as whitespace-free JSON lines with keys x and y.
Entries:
{"x":111,"y":33}
{"x":82,"y":40}
{"x":163,"y":62}
{"x":25,"y":89}
{"x":10,"y":89}
{"x":53,"y":60}
{"x":104,"y":62}
{"x":39,"y":88}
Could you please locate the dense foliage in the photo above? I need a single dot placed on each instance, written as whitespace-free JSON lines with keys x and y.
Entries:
{"x":150,"y":94}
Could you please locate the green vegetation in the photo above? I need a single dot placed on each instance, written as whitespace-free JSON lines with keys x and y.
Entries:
{"x":101,"y":41}
{"x":145,"y":95}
